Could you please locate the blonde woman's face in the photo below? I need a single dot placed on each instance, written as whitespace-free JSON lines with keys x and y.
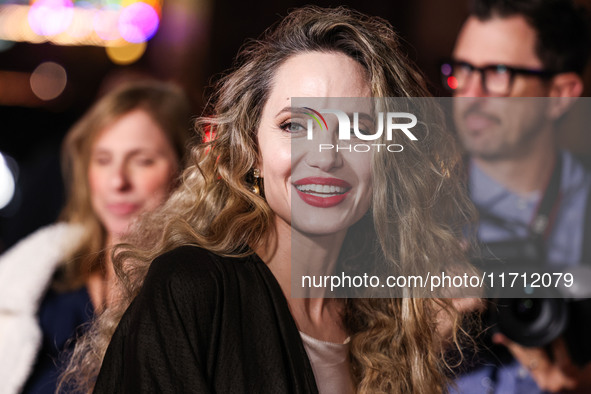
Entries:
{"x":131,"y":169}
{"x":314,"y":192}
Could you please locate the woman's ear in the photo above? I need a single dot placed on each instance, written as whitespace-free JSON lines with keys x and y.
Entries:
{"x":565,"y":90}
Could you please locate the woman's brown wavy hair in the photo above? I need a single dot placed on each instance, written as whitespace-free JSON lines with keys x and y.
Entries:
{"x":395,"y":346}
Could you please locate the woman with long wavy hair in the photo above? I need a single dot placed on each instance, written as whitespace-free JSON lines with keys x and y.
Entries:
{"x":121,"y":159}
{"x":208,"y":306}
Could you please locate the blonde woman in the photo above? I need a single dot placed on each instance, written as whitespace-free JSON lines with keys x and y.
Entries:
{"x":210,"y":302}
{"x":120,"y":160}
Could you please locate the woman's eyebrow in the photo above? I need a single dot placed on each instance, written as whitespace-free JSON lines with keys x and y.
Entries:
{"x":297,"y":110}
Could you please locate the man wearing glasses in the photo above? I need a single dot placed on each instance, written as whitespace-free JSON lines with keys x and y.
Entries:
{"x":523,"y":48}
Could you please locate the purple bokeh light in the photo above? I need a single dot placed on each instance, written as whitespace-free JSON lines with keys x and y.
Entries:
{"x":138,"y":22}
{"x":50,"y":17}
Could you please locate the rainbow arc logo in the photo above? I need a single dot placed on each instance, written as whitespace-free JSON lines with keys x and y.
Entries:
{"x":315,"y":115}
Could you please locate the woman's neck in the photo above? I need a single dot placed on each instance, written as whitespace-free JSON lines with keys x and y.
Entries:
{"x":290,"y":255}
{"x":101,"y":283}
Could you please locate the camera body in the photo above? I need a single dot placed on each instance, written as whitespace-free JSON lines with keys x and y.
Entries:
{"x":536,"y":316}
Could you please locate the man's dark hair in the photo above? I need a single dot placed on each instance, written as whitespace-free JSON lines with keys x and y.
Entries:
{"x":561,"y":26}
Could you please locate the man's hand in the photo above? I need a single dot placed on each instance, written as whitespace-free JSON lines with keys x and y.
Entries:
{"x":558,"y":375}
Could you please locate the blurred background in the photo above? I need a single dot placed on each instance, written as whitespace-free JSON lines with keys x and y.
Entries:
{"x":58,"y":56}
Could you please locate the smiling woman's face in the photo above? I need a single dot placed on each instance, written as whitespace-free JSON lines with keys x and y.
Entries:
{"x":315,"y":192}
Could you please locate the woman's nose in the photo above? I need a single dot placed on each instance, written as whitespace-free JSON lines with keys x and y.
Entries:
{"x":325,"y":153}
{"x":120,"y":177}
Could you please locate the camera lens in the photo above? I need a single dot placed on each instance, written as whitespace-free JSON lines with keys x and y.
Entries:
{"x":529,"y":321}
{"x":526,"y":310}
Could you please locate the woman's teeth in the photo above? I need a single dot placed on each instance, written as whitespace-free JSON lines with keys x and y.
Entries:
{"x":321,"y":190}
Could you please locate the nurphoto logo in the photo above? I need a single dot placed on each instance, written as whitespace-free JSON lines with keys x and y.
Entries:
{"x":347,"y":129}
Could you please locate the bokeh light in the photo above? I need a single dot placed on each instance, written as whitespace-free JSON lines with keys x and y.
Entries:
{"x":82,"y":25}
{"x":14,"y":25}
{"x":126,"y":54}
{"x":113,"y":4}
{"x":48,"y":80}
{"x":105,"y":24}
{"x":80,"y":22}
{"x":7,"y":183}
{"x":155,"y":4}
{"x":50,"y":17}
{"x":452,"y":82}
{"x":138,"y":22}
{"x":446,"y":69}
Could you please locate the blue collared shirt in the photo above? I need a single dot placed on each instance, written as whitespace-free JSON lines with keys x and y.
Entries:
{"x":563,"y":247}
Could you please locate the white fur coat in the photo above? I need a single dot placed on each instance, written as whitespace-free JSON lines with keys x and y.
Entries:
{"x":25,"y":273}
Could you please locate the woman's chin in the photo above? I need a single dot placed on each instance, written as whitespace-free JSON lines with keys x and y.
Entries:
{"x":317,"y":226}
{"x":117,"y":230}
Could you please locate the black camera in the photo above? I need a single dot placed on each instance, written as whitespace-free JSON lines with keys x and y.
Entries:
{"x":533,"y":305}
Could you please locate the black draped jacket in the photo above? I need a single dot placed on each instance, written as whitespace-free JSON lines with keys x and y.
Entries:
{"x":207,"y":324}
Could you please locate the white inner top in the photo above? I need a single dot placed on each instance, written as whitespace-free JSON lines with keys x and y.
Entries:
{"x":330,"y":363}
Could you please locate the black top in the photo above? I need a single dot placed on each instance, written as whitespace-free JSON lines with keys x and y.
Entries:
{"x":62,"y":317}
{"x":207,"y":324}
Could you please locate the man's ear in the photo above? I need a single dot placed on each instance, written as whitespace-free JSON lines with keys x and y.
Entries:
{"x":567,"y":84}
{"x":566,"y":88}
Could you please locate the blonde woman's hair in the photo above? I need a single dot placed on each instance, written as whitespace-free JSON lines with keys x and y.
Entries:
{"x":395,"y":347}
{"x":167,"y":106}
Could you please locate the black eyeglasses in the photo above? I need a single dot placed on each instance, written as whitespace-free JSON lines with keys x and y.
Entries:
{"x":496,"y":79}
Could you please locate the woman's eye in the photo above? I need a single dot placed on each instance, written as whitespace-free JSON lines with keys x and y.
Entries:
{"x":362,"y":131}
{"x":292,"y":127}
{"x":145,"y":162}
{"x":101,"y":160}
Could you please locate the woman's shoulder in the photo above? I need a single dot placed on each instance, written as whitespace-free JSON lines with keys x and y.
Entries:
{"x":188,"y":266}
{"x":186,"y":256}
{"x":197,"y":284}
{"x":198,"y":259}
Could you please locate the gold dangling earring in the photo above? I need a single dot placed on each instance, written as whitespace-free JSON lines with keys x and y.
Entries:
{"x":256,"y":188}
